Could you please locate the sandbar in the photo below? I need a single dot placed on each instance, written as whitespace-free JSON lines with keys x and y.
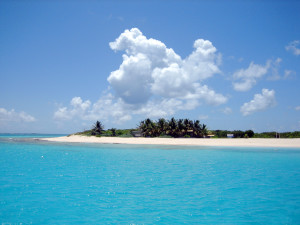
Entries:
{"x":234,"y":142}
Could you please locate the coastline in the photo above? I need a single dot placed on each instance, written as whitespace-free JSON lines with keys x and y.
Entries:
{"x":226,"y":142}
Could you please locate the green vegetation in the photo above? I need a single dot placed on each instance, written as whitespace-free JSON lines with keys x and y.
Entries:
{"x":250,"y":134}
{"x":295,"y":134}
{"x":98,"y":131}
{"x":179,"y":128}
{"x":118,"y":133}
{"x":109,"y":133}
{"x":148,"y":128}
{"x":236,"y":133}
{"x":174,"y":128}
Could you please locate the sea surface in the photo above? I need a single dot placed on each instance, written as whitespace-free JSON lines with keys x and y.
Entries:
{"x":50,"y":183}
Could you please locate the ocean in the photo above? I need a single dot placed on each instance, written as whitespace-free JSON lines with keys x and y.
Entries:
{"x":56,"y":183}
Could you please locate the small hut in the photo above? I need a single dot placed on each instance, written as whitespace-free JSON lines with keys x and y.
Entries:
{"x":136,"y":133}
{"x":230,"y":135}
{"x":209,"y":136}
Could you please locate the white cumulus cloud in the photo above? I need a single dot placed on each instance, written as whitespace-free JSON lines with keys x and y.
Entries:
{"x":131,"y":81}
{"x":246,"y":78}
{"x":260,"y":102}
{"x":105,"y":108}
{"x":13,"y":116}
{"x":292,"y":47}
{"x":77,"y":108}
{"x":152,"y":80}
{"x":149,"y":69}
{"x":111,"y":108}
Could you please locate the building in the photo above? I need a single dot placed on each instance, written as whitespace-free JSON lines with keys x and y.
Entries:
{"x":136,"y":133}
{"x":209,"y":136}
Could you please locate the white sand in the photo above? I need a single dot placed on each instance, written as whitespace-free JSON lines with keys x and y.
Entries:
{"x":251,"y":142}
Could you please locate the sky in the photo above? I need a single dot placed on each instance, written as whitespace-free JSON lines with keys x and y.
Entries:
{"x":233,"y":65}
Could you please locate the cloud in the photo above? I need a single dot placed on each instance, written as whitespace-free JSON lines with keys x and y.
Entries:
{"x":105,"y":108}
{"x":275,"y":74}
{"x":260,"y":102}
{"x":275,"y":70}
{"x":78,"y":108}
{"x":292,"y":47}
{"x":152,"y":81}
{"x":297,"y":108}
{"x":206,"y":94}
{"x":13,"y":116}
{"x":288,"y":74}
{"x":161,"y":108}
{"x":227,"y":110}
{"x":246,"y":78}
{"x":150,"y":69}
{"x":114,"y":109}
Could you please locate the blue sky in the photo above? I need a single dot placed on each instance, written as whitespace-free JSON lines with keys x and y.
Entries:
{"x":65,"y":64}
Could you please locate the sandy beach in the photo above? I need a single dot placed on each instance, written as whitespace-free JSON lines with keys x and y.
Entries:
{"x":251,"y":142}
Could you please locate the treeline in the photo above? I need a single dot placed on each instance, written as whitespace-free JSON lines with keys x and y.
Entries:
{"x":172,"y":128}
{"x":149,"y":128}
{"x":179,"y":128}
{"x":98,"y":131}
{"x":251,"y":134}
{"x":295,"y":134}
{"x":236,"y":133}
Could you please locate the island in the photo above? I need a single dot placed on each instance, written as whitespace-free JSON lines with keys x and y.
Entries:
{"x":182,"y":132}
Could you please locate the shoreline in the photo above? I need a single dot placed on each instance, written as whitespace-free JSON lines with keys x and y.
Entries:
{"x":219,"y":142}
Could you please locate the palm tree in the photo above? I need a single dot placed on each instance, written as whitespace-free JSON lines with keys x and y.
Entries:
{"x":204,"y":130}
{"x":149,"y":128}
{"x":173,"y":127}
{"x":98,"y":128}
{"x":200,"y":130}
{"x":191,"y":124}
{"x":162,"y":126}
{"x":143,"y":127}
{"x":181,"y":128}
{"x":172,"y":123}
{"x":188,"y":126}
{"x":197,"y":128}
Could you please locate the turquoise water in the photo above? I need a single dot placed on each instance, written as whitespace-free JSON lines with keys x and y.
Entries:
{"x":19,"y":136}
{"x":42,"y":183}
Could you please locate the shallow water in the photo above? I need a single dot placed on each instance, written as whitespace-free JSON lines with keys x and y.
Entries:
{"x":4,"y":136}
{"x":44,"y":183}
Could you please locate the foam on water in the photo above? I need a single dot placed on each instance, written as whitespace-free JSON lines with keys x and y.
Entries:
{"x":44,"y":183}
